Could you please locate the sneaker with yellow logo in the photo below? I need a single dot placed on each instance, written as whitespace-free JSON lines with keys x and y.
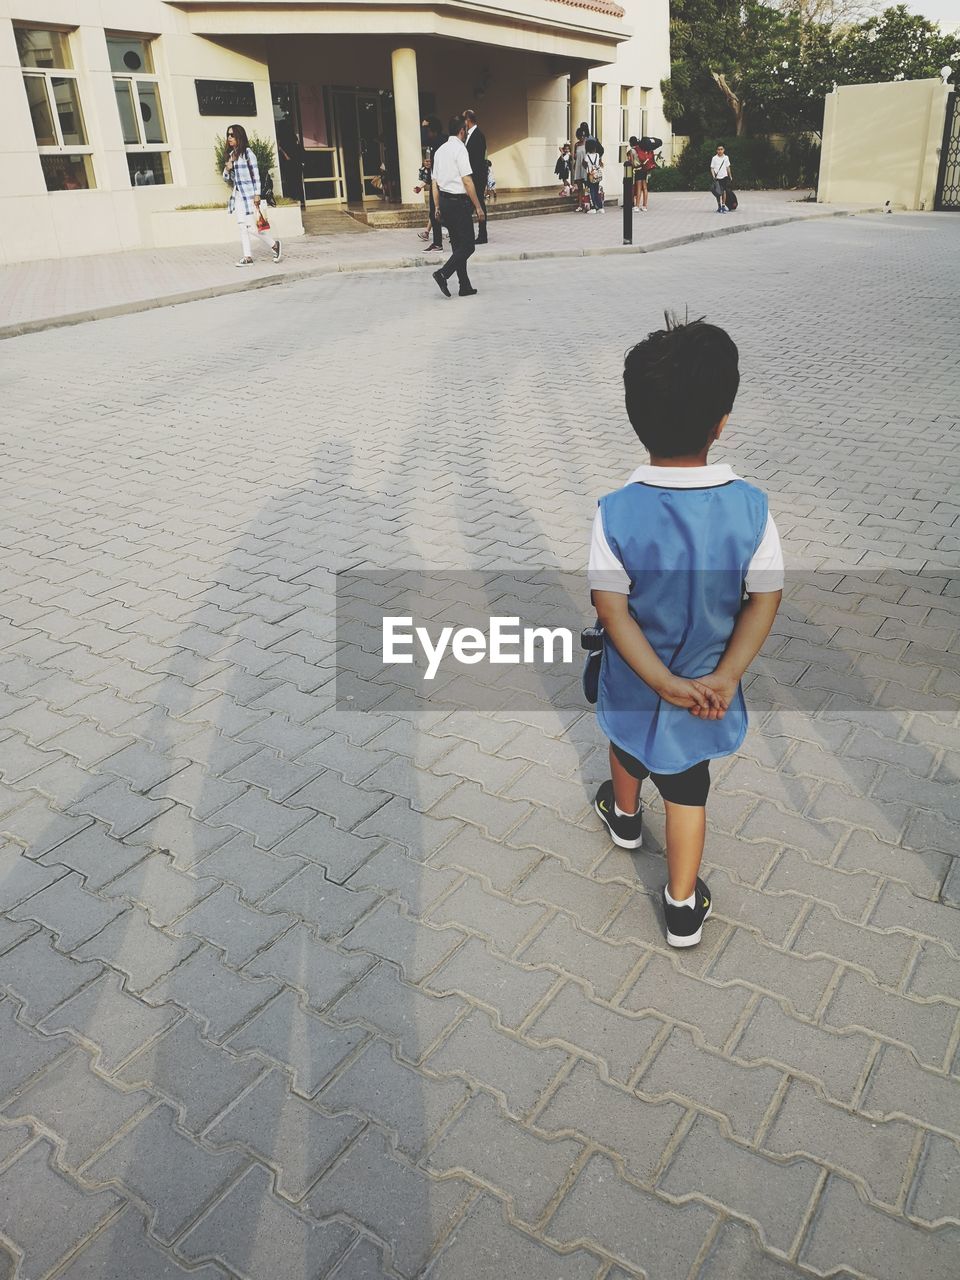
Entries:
{"x":685,"y":923}
{"x":625,"y":829}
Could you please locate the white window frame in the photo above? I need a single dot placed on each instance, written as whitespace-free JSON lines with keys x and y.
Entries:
{"x":48,"y":75}
{"x":644,"y":122}
{"x":596,"y":110}
{"x":131,"y":78}
{"x":626,"y":92}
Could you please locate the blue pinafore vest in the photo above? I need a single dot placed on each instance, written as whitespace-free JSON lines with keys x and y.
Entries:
{"x":686,"y":552}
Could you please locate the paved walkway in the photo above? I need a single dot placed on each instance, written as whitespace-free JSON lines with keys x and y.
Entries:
{"x":289,"y":990}
{"x":57,"y":291}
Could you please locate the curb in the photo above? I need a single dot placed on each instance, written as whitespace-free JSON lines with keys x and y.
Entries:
{"x":393,"y":264}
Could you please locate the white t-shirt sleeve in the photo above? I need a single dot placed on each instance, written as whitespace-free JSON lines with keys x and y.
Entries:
{"x":604,"y":571}
{"x":765,"y":572}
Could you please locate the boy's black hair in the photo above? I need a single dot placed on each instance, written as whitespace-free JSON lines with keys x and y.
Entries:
{"x":679,"y":382}
{"x":455,"y":125}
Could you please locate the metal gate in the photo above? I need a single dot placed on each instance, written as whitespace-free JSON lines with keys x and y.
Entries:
{"x":948,"y":179}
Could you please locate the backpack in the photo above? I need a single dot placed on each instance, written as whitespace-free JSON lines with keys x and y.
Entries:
{"x":266,"y":184}
{"x":594,"y":173}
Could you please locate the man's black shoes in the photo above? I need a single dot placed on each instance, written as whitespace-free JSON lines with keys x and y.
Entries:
{"x":467,"y":293}
{"x":685,"y":924}
{"x":442,"y":285}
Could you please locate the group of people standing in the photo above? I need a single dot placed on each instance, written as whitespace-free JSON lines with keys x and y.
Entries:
{"x":581,"y":171}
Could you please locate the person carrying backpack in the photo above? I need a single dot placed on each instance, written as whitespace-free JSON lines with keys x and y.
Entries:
{"x":593,"y":168}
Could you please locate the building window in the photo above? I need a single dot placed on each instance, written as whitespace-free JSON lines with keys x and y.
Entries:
{"x":625,"y":92}
{"x":54,"y":101}
{"x":644,"y":126}
{"x":596,"y":111}
{"x":141,"y":114}
{"x":569,"y":134}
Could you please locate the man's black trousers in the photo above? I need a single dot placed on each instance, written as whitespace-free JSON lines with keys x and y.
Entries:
{"x":456,"y":214}
{"x":480,"y":183}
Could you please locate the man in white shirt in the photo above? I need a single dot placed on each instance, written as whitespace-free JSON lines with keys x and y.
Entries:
{"x":720,"y":172}
{"x":456,"y":197}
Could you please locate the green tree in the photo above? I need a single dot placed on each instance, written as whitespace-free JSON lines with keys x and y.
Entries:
{"x":894,"y":45}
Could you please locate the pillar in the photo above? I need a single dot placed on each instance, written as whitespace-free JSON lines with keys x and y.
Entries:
{"x":579,"y":102}
{"x":406,"y":102}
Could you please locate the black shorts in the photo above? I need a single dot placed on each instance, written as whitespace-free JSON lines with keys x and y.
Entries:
{"x":689,"y":788}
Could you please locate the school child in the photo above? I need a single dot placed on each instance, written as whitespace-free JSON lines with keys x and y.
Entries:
{"x":562,"y":169}
{"x":593,"y":166}
{"x":686,"y":573}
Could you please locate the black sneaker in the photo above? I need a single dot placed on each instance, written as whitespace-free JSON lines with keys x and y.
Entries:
{"x":277,"y":251}
{"x":625,"y":831}
{"x":442,"y":285}
{"x":685,"y":924}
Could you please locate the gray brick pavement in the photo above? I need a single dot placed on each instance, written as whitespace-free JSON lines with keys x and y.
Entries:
{"x":290,"y":989}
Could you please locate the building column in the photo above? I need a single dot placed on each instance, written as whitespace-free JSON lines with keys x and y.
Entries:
{"x":406,"y":102}
{"x":579,"y":102}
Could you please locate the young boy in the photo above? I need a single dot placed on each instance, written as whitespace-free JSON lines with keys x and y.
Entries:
{"x":686,"y":574}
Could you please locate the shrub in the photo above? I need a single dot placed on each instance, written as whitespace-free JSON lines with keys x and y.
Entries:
{"x":670,"y":178}
{"x":756,"y":163}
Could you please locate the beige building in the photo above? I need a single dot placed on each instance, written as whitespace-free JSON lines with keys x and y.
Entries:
{"x":111,"y":108}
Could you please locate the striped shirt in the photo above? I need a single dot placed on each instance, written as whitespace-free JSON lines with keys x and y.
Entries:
{"x":244,"y":177}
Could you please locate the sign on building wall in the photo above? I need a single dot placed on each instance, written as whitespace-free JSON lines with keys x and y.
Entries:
{"x":226,"y":97}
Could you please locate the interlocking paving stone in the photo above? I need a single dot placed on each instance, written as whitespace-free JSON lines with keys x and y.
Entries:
{"x":927,"y":1028}
{"x":44,"y":1238}
{"x":39,"y":976}
{"x":736,"y":1254}
{"x":319,"y":970}
{"x":68,"y":912}
{"x":114,"y":1023}
{"x":415,"y":948}
{"x":482,"y":1241}
{"x":40,"y":828}
{"x":484,"y":1054}
{"x":216,"y":996}
{"x":508,"y":989}
{"x":141,"y":953}
{"x":886,"y":955}
{"x":171,"y":1175}
{"x":771,"y":915}
{"x":501,"y":921}
{"x":662,"y":989}
{"x":742,"y":1095}
{"x":800,"y":982}
{"x":296,"y":1138}
{"x":24,"y":1051}
{"x":878,"y":1153}
{"x":648,"y":1234}
{"x":470,"y":850}
{"x":330,"y":910}
{"x":613,"y":1037}
{"x":362,"y":1261}
{"x":197,"y":1078}
{"x":409,"y":1017}
{"x":309,"y":1047}
{"x":412,"y":1105}
{"x":898,"y":1086}
{"x":836,"y":1060}
{"x":935,"y":1195}
{"x":400,"y":1204}
{"x":775,"y":1196}
{"x":637,"y":1130}
{"x":845,"y":1231}
{"x":588,"y":901}
{"x":77,"y":1107}
{"x":416,"y":884}
{"x":523,"y":1165}
{"x":120,"y":1251}
{"x":20,"y":877}
{"x":256,"y":1235}
{"x":899,"y":909}
{"x":230,"y":925}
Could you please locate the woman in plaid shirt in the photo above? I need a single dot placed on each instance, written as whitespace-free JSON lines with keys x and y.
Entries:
{"x":242,"y":173}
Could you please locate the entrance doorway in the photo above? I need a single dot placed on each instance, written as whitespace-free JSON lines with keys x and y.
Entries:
{"x":367,"y":134}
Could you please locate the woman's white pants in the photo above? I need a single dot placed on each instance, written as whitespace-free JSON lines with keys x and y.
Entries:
{"x":247,"y":222}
